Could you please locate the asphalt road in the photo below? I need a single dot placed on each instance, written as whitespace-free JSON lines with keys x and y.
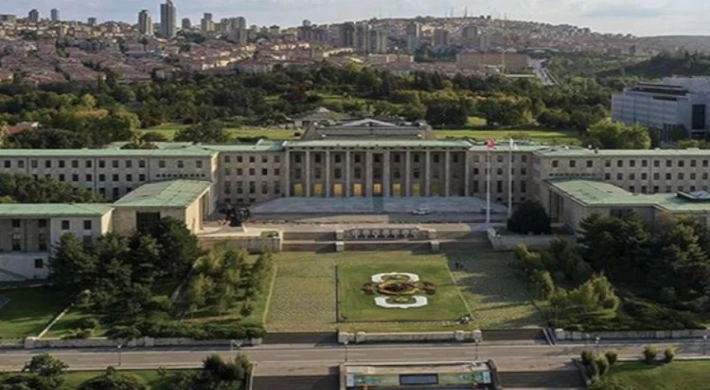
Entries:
{"x":283,"y":359}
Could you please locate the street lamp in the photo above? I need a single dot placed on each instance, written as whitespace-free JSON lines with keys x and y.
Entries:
{"x":596,"y":341}
{"x":587,"y":336}
{"x":118,"y":348}
{"x":345,"y":343}
{"x":478,"y":342}
{"x":234,"y":344}
{"x":705,"y":344}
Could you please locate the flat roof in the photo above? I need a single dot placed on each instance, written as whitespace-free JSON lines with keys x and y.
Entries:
{"x":355,"y":143}
{"x":183,"y":151}
{"x":172,"y":193}
{"x":45,"y":210}
{"x":593,"y":193}
{"x":552,"y":151}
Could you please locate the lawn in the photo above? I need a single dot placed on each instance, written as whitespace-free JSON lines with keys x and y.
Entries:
{"x":677,"y":375}
{"x":304,"y":295}
{"x":29,"y":311}
{"x":541,"y":136}
{"x":150,"y":378}
{"x":357,"y":306}
{"x":170,"y":129}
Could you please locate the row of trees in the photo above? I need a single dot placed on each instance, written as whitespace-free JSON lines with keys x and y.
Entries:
{"x":45,"y":372}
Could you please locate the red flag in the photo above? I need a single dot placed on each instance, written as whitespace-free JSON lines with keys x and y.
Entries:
{"x":491,"y":144}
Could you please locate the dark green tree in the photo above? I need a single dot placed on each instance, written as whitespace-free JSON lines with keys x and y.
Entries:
{"x":530,"y":217}
{"x":73,"y":268}
{"x":112,"y":380}
{"x":208,"y":132}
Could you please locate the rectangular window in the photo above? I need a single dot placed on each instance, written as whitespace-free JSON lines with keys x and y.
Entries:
{"x":115,"y":178}
{"x":572,"y":163}
{"x":644,"y":176}
{"x":277,"y":172}
{"x":42,"y":223}
{"x":8,"y":164}
{"x":15,"y":223}
{"x":668,"y":176}
{"x":669,"y":163}
{"x":252,"y":171}
{"x":87,"y":224}
{"x":337,"y":173}
{"x":264,"y":159}
{"x":74,"y":163}
{"x":141,"y":164}
{"x":102,"y":177}
{"x":681,"y":176}
{"x":129,"y":164}
{"x":607,"y":163}
{"x":590,"y":163}
{"x":87,"y":163}
{"x":114,"y":164}
{"x":89,"y":177}
{"x":180,"y":164}
{"x":644,"y":163}
{"x":20,"y":163}
{"x":75,"y":177}
{"x":240,"y":172}
{"x":523,"y":186}
{"x":297,"y":173}
{"x":39,"y":263}
{"x":141,"y":177}
{"x":129,"y":178}
{"x":33,"y":163}
{"x":65,"y":225}
{"x":475,"y":186}
{"x":161,"y":164}
{"x":619,"y":163}
{"x":554,"y":163}
{"x":277,"y":159}
{"x":692,"y":163}
{"x":619,"y":176}
{"x":48,"y":163}
{"x":656,"y":163}
{"x":632,"y":176}
{"x":277,"y":187}
{"x":607,"y":176}
{"x":656,"y":176}
{"x":264,"y":188}
{"x":681,"y":163}
{"x":102,"y":164}
{"x":499,"y":186}
{"x":264,"y":172}
{"x":632,"y":163}
{"x":358,"y":159}
{"x":198,"y":164}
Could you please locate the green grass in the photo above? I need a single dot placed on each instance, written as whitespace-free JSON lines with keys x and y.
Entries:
{"x":445,"y":305}
{"x":150,"y":378}
{"x":169,"y":130}
{"x":69,"y":323}
{"x":29,"y":311}
{"x":304,"y":294}
{"x":677,"y":375}
{"x":541,"y":136}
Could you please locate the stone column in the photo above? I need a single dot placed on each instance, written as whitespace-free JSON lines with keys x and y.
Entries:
{"x":327,"y":174}
{"x":386,"y":175}
{"x":308,"y":174}
{"x":447,"y":173}
{"x":287,"y":170}
{"x":368,"y":173}
{"x":427,"y":174}
{"x":467,"y":174}
{"x":408,"y":173}
{"x":348,"y":185}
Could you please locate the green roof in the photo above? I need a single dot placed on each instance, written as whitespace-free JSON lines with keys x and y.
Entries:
{"x":248,"y":148}
{"x":647,"y":153}
{"x":592,"y":193}
{"x":47,"y":210}
{"x":185,"y":151}
{"x":353,"y":143}
{"x":173,"y":193}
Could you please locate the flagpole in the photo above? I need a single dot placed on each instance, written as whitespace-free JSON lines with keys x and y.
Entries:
{"x":510,"y":178}
{"x":488,"y":187}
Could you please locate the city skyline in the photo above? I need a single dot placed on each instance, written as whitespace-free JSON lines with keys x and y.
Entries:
{"x":626,"y":16}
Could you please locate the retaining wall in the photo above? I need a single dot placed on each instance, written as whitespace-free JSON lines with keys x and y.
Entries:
{"x":508,"y":242}
{"x":364,"y":337}
{"x":565,"y":335}
{"x":253,"y":244}
{"x":143,"y":342}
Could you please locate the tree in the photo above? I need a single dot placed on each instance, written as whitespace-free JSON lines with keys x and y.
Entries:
{"x":112,"y":380}
{"x":179,"y":248}
{"x":649,"y":354}
{"x":73,"y":269}
{"x":530,"y":217}
{"x":46,"y":365}
{"x":446,"y":113}
{"x":208,"y":132}
{"x":153,"y":136}
{"x":608,"y":134}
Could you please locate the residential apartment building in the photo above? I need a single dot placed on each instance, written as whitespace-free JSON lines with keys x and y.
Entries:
{"x":675,"y":104}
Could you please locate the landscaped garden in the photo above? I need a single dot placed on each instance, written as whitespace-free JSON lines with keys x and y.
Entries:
{"x":641,"y":376}
{"x":304,"y":296}
{"x":398,"y":291}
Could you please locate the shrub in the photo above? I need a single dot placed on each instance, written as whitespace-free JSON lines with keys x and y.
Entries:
{"x":112,"y":380}
{"x":588,"y":357}
{"x":669,"y":354}
{"x":247,"y":309}
{"x":88,"y":323}
{"x":79,"y":334}
{"x":602,"y":365}
{"x":649,"y":354}
{"x":368,"y":288}
{"x":612,"y":357}
{"x":530,"y":217}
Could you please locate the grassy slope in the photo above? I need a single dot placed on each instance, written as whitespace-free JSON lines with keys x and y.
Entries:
{"x":29,"y":311}
{"x":677,"y":375}
{"x":150,"y":378}
{"x":304,"y":295}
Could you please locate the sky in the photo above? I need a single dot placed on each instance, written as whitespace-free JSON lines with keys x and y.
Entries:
{"x":639,"y":17}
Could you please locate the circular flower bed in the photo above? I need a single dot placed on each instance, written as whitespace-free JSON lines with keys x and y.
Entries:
{"x":397,"y":287}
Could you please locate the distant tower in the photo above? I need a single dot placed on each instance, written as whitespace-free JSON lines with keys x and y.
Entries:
{"x":168,"y":19}
{"x":54,"y":14}
{"x":206,"y":24}
{"x":91,"y":21}
{"x":441,"y":37}
{"x":413,"y":32}
{"x":186,"y":24}
{"x":346,"y":34}
{"x":33,"y":16}
{"x":362,"y":37}
{"x":145,"y":23}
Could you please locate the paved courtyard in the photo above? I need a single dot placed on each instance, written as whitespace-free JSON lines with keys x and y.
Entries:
{"x":449,"y":209}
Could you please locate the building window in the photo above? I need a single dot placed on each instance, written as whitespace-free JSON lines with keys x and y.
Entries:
{"x":681,"y":176}
{"x":65,"y":225}
{"x":227,"y":171}
{"x":240,"y":172}
{"x":396,"y":158}
{"x":572,"y":163}
{"x":523,"y":186}
{"x":20,"y":164}
{"x":141,"y":164}
{"x":619,"y":163}
{"x":16,"y":223}
{"x":129,"y":164}
{"x":668,"y":176}
{"x":656,"y":163}
{"x":141,"y":177}
{"x":644,"y":189}
{"x":264,"y":172}
{"x":87,"y":224}
{"x":607,"y":163}
{"x":277,"y":159}
{"x":115,"y":178}
{"x":656,"y":176}
{"x":692,"y":176}
{"x":415,"y":173}
{"x":42,"y":223}
{"x":115,"y":193}
{"x":227,"y":159}
{"x":669,"y":163}
{"x":180,"y":164}
{"x":499,"y":186}
{"x":198,"y":164}
{"x":523,"y":171}
{"x":632,"y":163}
{"x":297,"y":173}
{"x":655,"y":189}
{"x":33,"y":163}
{"x":161,"y":164}
{"x":252,"y":187}
{"x":705,"y":163}
{"x":692,"y":163}
{"x":644,"y":176}
{"x":377,"y":158}
{"x":337,"y":173}
{"x":357,"y":173}
{"x":89,"y":177}
{"x":8,"y":164}
{"x":252,"y":171}
{"x":681,"y":163}
{"x":252,"y":159}
{"x":317,"y":173}
{"x":607,"y":176}
{"x":102,"y":164}
{"x":277,"y":172}
{"x":590,"y":163}
{"x":499,"y":171}
{"x":277,"y":187}
{"x":554,"y":163}
{"x":619,"y":176}
{"x":39,"y":263}
{"x":644,"y":163}
{"x":129,"y":178}
{"x":75,"y":177}
{"x":264,"y":188}
{"x":357,"y":159}
{"x":264,"y":159}
{"x":632,"y":176}
{"x":114,"y":163}
{"x":632,"y":189}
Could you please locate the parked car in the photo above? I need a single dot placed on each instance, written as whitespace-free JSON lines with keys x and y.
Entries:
{"x":421,"y":211}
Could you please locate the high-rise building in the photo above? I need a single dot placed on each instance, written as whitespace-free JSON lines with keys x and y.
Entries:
{"x":379,"y":41}
{"x":186,"y":24}
{"x":145,"y":23}
{"x":362,"y":37}
{"x":275,"y":31}
{"x":33,"y":16}
{"x":346,"y":34}
{"x":441,"y":37}
{"x":54,"y":14}
{"x":237,"y":30}
{"x":206,"y":24}
{"x":168,"y":19}
{"x":8,"y":18}
{"x":413,"y":32}
{"x":91,"y":21}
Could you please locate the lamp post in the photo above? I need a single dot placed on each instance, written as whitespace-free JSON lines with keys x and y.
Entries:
{"x":234,"y":345}
{"x":587,"y":336}
{"x":118,"y":349}
{"x":596,"y":341}
{"x":345,"y":343}
{"x":705,"y":344}
{"x":478,"y":342}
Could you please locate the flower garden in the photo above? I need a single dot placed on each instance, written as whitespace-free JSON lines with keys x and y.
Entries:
{"x":388,"y":291}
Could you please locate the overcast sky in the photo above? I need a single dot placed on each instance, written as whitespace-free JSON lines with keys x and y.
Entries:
{"x":640,"y":17}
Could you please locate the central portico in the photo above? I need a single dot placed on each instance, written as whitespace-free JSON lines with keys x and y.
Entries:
{"x":377,"y":168}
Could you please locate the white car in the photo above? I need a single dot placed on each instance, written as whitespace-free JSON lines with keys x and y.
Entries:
{"x":421,"y":211}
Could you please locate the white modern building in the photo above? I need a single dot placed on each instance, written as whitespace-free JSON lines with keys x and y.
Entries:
{"x":675,"y":104}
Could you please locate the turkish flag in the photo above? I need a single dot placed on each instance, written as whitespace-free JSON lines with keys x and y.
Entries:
{"x":491,"y":144}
